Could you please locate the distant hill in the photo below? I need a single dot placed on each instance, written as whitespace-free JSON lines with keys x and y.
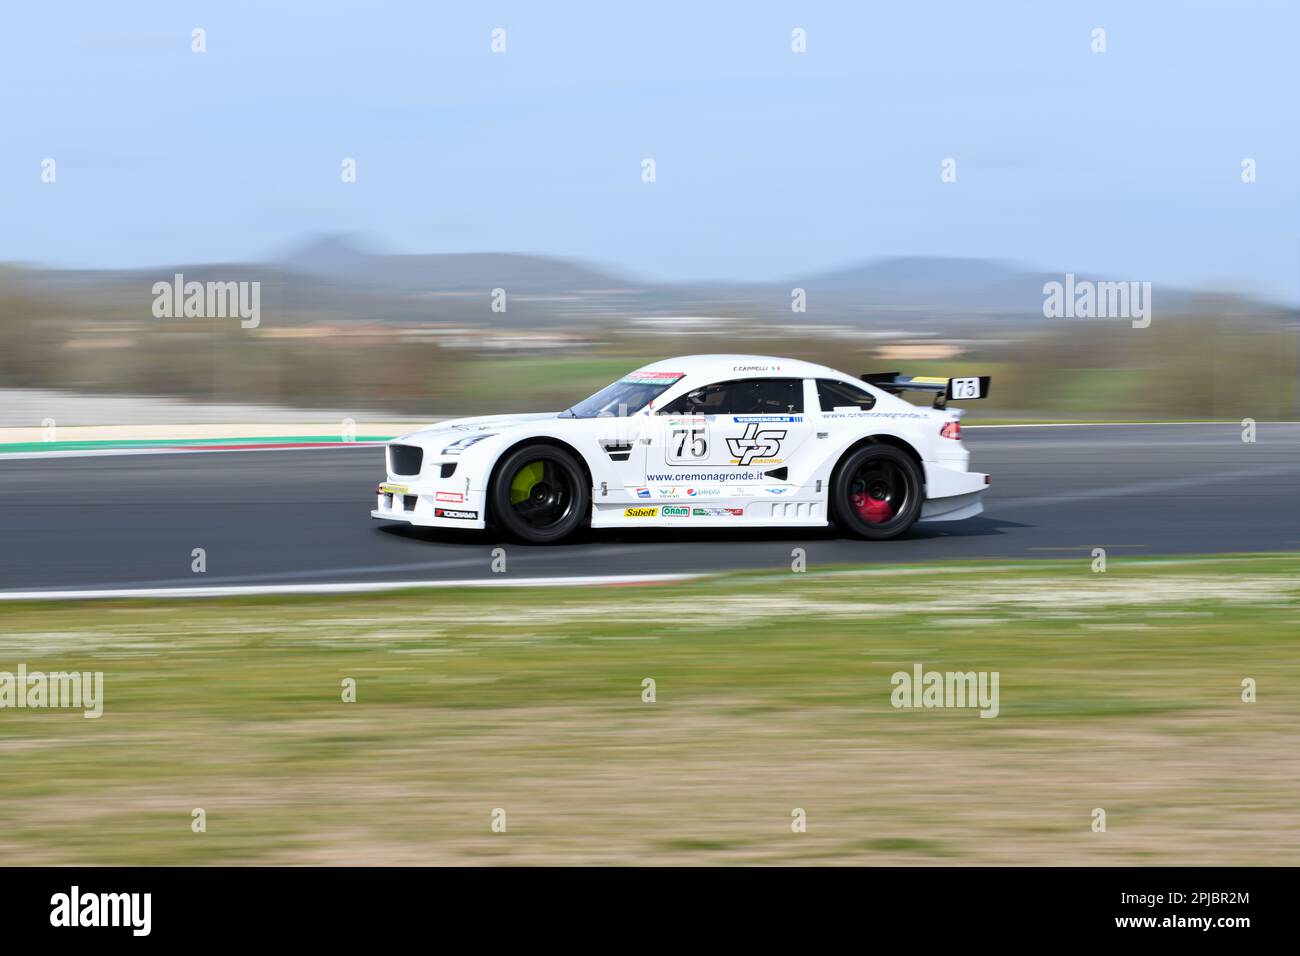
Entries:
{"x":916,"y":280}
{"x":337,"y":278}
{"x":343,"y":259}
{"x":907,"y":277}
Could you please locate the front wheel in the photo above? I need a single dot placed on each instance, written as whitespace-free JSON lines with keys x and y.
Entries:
{"x":539,"y":494}
{"x":877,"y":493}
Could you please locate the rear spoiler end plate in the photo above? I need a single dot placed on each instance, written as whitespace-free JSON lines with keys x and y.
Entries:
{"x":944,"y":389}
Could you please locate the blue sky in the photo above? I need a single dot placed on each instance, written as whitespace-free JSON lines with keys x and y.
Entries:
{"x":770,"y":163}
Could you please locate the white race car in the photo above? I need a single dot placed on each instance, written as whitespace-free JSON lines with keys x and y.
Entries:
{"x":712,"y":441}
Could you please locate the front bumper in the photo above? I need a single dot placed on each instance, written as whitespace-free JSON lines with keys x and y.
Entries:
{"x":428,"y":507}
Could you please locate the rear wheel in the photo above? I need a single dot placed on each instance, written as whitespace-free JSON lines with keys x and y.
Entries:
{"x":877,"y":492}
{"x":539,"y":494}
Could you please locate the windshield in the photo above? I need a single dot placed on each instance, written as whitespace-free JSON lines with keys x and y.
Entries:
{"x":625,"y":397}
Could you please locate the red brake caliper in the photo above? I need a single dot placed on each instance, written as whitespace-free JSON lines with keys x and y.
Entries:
{"x":872,"y":509}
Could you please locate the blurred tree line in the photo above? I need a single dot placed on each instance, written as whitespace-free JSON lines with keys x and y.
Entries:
{"x":1214,"y":365}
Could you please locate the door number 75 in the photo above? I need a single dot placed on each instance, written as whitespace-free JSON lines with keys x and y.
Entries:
{"x":688,"y":443}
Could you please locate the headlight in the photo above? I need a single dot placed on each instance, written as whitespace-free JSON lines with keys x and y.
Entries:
{"x":458,"y":446}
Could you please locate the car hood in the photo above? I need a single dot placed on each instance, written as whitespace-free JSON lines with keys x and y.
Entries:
{"x":455,"y":427}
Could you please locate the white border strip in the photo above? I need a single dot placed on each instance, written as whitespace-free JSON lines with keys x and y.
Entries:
{"x":194,"y":449}
{"x":182,"y":450}
{"x":1114,"y":424}
{"x":358,"y":587}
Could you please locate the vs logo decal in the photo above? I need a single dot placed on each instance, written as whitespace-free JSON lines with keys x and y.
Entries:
{"x":756,"y":444}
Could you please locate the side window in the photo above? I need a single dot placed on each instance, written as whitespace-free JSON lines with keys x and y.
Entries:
{"x":751,"y":396}
{"x":832,"y":395}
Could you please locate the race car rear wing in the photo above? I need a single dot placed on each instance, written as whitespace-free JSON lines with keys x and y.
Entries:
{"x":944,"y":389}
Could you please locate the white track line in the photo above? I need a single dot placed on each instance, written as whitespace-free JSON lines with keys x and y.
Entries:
{"x":179,"y":450}
{"x":1116,"y":424}
{"x":361,"y":587}
{"x":183,"y":450}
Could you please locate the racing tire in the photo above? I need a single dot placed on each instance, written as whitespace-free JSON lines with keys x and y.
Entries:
{"x":877,"y":493}
{"x":539,"y":494}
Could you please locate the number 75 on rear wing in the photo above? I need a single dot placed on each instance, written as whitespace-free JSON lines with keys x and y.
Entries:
{"x":944,"y":389}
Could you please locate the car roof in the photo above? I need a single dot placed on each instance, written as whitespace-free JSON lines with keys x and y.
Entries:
{"x":722,"y":367}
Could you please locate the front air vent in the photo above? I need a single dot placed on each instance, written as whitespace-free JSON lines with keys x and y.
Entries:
{"x":448,"y":469}
{"x":405,"y":459}
{"x":617,"y":450}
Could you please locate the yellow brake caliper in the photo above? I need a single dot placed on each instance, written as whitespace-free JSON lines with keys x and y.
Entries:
{"x":523,"y":482}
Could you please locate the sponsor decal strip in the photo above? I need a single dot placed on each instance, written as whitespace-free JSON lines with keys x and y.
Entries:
{"x":652,"y":378}
{"x":450,"y":513}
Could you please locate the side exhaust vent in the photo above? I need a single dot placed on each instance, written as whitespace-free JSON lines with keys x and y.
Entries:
{"x":617,"y":450}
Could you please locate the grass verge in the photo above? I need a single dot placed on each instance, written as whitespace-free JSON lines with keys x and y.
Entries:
{"x":1118,"y":690}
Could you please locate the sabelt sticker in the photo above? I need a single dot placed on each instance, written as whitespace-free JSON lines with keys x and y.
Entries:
{"x":640,"y":512}
{"x":452,"y":496}
{"x":393,"y":489}
{"x":451,"y":513}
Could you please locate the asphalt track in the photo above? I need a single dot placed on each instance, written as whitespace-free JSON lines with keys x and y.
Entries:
{"x":302,"y":516}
